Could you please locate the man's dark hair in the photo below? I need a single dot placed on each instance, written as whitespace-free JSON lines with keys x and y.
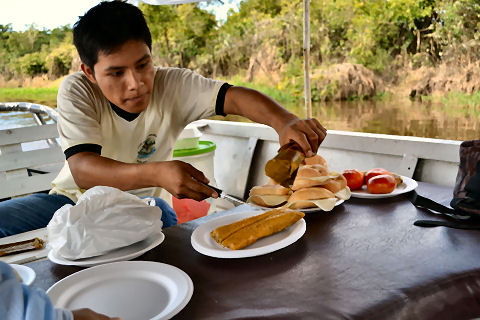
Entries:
{"x":106,"y":27}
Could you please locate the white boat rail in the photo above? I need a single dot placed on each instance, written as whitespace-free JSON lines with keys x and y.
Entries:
{"x":37,"y":110}
{"x":30,"y":157}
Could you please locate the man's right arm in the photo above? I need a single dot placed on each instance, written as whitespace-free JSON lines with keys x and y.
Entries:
{"x":90,"y":169}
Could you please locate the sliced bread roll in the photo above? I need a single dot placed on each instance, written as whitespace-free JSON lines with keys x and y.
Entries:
{"x":314,"y":197}
{"x":269,"y":201}
{"x":335,"y":185}
{"x":270,"y":196}
{"x":339,"y":187}
{"x":311,"y":176}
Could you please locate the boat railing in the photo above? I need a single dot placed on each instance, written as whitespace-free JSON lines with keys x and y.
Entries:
{"x":30,"y":156}
{"x":37,"y":111}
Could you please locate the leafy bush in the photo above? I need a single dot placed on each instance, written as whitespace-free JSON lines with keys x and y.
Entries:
{"x":59,"y":61}
{"x":32,"y":64}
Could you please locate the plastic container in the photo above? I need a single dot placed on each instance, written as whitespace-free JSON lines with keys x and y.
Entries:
{"x":189,"y":138}
{"x":201,"y":158}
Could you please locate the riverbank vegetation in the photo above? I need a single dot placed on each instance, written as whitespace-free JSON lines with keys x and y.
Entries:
{"x":360,"y":49}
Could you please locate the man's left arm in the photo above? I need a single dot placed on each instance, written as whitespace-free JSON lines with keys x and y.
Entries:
{"x":256,"y":106}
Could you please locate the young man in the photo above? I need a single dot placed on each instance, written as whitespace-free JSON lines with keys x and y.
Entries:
{"x":119,"y":119}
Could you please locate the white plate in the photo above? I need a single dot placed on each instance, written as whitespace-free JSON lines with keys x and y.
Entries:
{"x":121,"y":254}
{"x":306,"y":210}
{"x":407,"y":185}
{"x":26,"y":273}
{"x":127,"y":289}
{"x":205,"y":244}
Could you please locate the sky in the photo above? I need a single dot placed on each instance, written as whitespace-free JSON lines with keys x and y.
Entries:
{"x":49,"y":14}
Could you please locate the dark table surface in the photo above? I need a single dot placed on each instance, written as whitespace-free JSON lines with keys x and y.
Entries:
{"x":363,"y":260}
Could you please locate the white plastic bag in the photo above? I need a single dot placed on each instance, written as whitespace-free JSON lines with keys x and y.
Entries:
{"x":103,"y":219}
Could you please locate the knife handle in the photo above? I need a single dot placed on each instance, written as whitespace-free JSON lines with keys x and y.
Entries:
{"x":217,"y":190}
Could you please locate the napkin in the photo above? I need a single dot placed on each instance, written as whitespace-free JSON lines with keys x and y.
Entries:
{"x":103,"y":219}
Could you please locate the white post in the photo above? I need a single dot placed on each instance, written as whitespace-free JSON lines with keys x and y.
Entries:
{"x":306,"y":57}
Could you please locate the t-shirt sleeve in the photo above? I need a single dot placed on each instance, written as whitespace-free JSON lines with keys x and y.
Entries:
{"x":78,"y":117}
{"x":220,"y":103}
{"x":195,"y":95}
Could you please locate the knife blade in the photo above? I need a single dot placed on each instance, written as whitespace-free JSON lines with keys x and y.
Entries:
{"x":236,"y":201}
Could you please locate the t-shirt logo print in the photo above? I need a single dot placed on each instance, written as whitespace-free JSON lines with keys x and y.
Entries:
{"x":147,"y":148}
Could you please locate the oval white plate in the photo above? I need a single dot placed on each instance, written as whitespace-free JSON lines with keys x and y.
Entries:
{"x":407,"y":185}
{"x":205,"y":244}
{"x":26,"y":273}
{"x":306,"y":210}
{"x":120,"y":254}
{"x":127,"y":289}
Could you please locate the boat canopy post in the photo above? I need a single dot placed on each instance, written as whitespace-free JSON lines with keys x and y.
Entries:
{"x":306,"y":57}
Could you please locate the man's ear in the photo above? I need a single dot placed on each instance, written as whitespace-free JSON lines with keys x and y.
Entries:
{"x":88,"y":72}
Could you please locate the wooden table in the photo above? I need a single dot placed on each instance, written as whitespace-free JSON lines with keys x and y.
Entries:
{"x":363,"y":260}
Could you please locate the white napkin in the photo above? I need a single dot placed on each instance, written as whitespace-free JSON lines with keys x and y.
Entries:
{"x":103,"y":219}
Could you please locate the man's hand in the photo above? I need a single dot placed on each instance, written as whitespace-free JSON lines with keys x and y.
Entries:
{"x":308,"y":134}
{"x":179,"y":178}
{"x":182,"y":180}
{"x":260,"y":108}
{"x":88,"y":314}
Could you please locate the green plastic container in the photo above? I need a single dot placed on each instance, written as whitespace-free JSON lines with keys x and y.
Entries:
{"x":203,"y":147}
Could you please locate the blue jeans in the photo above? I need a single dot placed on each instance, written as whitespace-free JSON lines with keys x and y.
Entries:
{"x":35,"y":211}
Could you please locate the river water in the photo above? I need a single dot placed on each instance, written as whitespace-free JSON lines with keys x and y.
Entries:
{"x":397,"y":116}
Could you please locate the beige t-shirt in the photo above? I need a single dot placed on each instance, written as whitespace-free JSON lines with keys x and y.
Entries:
{"x":179,"y":97}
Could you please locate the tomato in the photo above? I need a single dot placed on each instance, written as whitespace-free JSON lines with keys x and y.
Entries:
{"x":354,"y":178}
{"x":375,"y":172}
{"x":383,"y":183}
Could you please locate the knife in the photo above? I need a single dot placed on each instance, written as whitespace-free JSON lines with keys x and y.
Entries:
{"x":450,"y":224}
{"x":225,"y":196}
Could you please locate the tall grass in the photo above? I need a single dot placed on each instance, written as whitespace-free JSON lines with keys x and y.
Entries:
{"x":467,"y":104}
{"x":283,"y":96}
{"x":45,"y":96}
{"x":457,"y":103}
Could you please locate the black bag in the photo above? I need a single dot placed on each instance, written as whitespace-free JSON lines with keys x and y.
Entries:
{"x":465,"y":205}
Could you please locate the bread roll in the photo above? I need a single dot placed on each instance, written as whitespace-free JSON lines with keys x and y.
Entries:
{"x":336,"y":184}
{"x":311,"y":176}
{"x":272,"y":224}
{"x":270,"y":196}
{"x":313,"y":170}
{"x":316,"y":159}
{"x":314,"y":193}
{"x":269,"y":201}
{"x":326,"y":204}
{"x":315,"y":197}
{"x":273,"y":189}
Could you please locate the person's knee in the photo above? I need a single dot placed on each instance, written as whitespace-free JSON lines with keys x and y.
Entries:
{"x":29,"y":212}
{"x":169,"y":217}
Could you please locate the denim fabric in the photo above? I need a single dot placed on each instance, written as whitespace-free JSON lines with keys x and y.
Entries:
{"x":35,"y":211}
{"x":169,"y":217}
{"x":29,"y":213}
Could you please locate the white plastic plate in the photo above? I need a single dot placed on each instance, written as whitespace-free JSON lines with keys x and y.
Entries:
{"x":130,"y":290}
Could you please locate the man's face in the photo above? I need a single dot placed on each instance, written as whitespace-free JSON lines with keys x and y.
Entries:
{"x":125,"y":76}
